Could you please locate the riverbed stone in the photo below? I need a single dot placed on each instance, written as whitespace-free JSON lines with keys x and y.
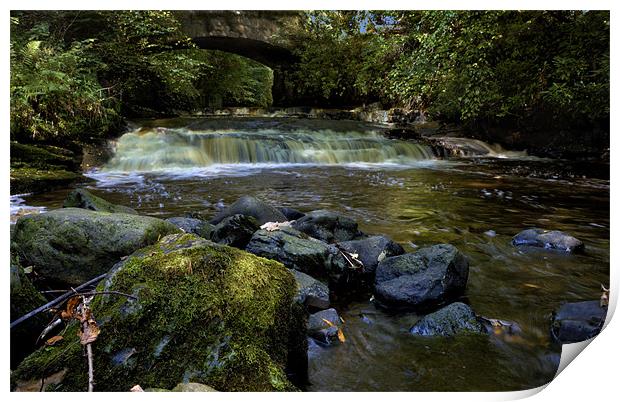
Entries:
{"x":427,"y":278}
{"x":82,"y":198}
{"x":203,"y":313}
{"x":327,"y":226}
{"x":235,"y":231}
{"x":251,"y":206}
{"x":455,"y":318}
{"x":548,"y":239}
{"x":320,"y":329}
{"x":302,"y":253}
{"x":576,"y":322}
{"x":73,"y":245}
{"x":192,"y":225}
{"x":311,"y":292}
{"x":372,"y":250}
{"x":291,"y":213}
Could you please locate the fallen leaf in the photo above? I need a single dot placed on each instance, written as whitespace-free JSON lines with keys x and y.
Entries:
{"x":341,"y":337}
{"x":328,"y":322}
{"x":531,"y":285}
{"x":70,"y":309}
{"x":273,"y":226}
{"x":28,"y":269}
{"x":604,"y":297}
{"x":136,"y":388}
{"x":90,"y":333}
{"x":54,"y":340}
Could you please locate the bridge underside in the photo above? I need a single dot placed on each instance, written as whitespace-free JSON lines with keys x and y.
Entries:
{"x":279,"y":59}
{"x":263,"y":52}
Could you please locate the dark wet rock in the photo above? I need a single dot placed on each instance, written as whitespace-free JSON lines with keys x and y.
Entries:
{"x":455,"y":318}
{"x":291,"y":214}
{"x":298,"y":251}
{"x":576,"y":322}
{"x":235,"y":231}
{"x":250,"y":206}
{"x":204,"y":313}
{"x":311,"y":292}
{"x":553,"y":239}
{"x":82,"y":198}
{"x":327,"y":226}
{"x":73,"y":245}
{"x":426,"y":278}
{"x":192,"y":225}
{"x":322,"y":331}
{"x":372,"y":250}
{"x":24,"y":298}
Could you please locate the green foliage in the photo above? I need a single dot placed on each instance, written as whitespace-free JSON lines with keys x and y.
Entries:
{"x":55,"y":94}
{"x":464,"y":66}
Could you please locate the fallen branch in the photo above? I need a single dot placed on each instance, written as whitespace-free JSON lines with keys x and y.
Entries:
{"x":57,"y":301}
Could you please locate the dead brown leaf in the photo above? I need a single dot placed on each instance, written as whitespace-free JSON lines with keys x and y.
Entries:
{"x":341,"y":337}
{"x":90,"y":333}
{"x":54,"y":340}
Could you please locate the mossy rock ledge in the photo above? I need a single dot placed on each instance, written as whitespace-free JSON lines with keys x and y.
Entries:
{"x":73,"y":245}
{"x":204,"y":313}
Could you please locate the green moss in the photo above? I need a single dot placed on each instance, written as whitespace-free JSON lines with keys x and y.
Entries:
{"x":29,"y":179}
{"x":205,"y":313}
{"x":82,"y":198}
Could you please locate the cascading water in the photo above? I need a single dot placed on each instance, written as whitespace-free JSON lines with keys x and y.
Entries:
{"x":164,"y":149}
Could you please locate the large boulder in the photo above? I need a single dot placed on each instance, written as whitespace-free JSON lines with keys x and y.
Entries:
{"x":372,"y":250}
{"x":323,"y":326}
{"x":549,"y":239}
{"x":24,"y":299}
{"x":455,"y":318}
{"x":298,"y":251}
{"x":235,"y":231}
{"x":311,"y":292}
{"x":328,"y":226}
{"x":576,"y":322}
{"x":203,"y":313}
{"x":426,"y":278}
{"x":250,"y":206}
{"x":82,"y":198}
{"x":73,"y":245}
{"x":192,"y":225}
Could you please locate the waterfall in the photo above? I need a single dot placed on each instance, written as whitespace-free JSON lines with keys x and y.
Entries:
{"x":164,"y":148}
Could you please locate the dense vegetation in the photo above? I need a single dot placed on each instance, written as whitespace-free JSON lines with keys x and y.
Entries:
{"x":74,"y":74}
{"x":462,"y":66}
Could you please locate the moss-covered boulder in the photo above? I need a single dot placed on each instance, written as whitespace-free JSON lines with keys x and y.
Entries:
{"x":455,"y":318}
{"x":204,"y":313}
{"x":73,"y":245}
{"x":24,"y":299}
{"x":82,"y":198}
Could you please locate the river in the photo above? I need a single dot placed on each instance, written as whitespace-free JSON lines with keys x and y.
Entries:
{"x":400,"y":189}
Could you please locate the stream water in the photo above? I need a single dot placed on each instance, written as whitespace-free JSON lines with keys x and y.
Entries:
{"x":399,"y":189}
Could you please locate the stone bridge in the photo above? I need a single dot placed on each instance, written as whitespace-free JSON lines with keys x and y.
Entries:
{"x":252,"y":34}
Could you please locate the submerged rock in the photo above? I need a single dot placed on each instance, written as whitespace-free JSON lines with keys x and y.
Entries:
{"x":576,"y":322}
{"x":327,"y":226}
{"x":372,"y":250}
{"x":73,"y":245}
{"x":298,"y":251}
{"x":553,"y":239}
{"x":250,"y":206}
{"x":204,"y":313}
{"x":82,"y":198}
{"x":24,"y":299}
{"x":235,"y":231}
{"x":324,"y":325}
{"x":428,"y":277}
{"x":192,"y":225}
{"x":311,"y":292}
{"x":291,"y":214}
{"x":455,"y":318}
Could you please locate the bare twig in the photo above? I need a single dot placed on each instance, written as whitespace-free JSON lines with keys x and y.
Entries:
{"x":89,"y":349}
{"x":57,"y":301}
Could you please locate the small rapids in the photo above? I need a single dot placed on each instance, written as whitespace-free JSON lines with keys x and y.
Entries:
{"x":160,"y":149}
